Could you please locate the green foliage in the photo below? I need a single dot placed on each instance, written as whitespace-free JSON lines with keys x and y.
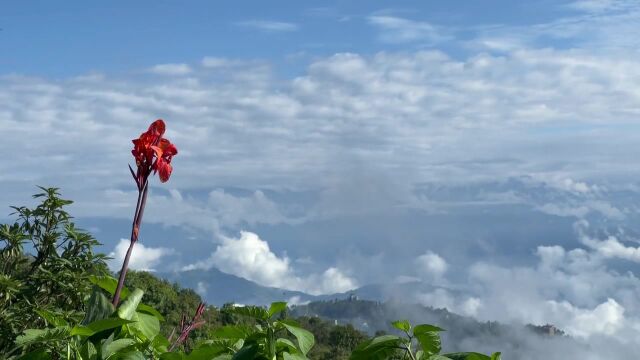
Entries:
{"x":269,"y":337}
{"x":426,"y":337}
{"x":172,"y":302}
{"x":123,"y":333}
{"x":45,"y":264}
{"x":54,"y":304}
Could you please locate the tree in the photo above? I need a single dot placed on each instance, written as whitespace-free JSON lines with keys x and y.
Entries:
{"x":45,"y":264}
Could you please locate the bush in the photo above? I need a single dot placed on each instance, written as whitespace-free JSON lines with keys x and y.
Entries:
{"x":53,"y":278}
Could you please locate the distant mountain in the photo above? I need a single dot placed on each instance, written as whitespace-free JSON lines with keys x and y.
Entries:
{"x":218,"y":288}
{"x":462,"y":333}
{"x":388,"y":292}
{"x":384,"y":304}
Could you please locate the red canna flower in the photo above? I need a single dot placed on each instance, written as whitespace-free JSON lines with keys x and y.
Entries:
{"x":152,"y":152}
{"x":164,"y":152}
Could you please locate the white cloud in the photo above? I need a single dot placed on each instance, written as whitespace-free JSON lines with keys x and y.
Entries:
{"x":594,"y":5}
{"x":270,"y":26}
{"x":142,"y":257}
{"x":598,"y":25}
{"x":605,"y":319}
{"x":399,"y":30}
{"x":431,"y":266}
{"x":171,"y":69}
{"x":236,"y":131}
{"x":201,"y":289}
{"x":214,"y":62}
{"x":251,"y":258}
{"x":574,"y":290}
{"x":444,"y":299}
{"x":610,"y":247}
{"x":252,"y":209}
{"x":331,"y":281}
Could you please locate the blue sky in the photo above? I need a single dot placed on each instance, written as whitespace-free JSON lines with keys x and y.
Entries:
{"x":488,"y":147}
{"x":70,"y":38}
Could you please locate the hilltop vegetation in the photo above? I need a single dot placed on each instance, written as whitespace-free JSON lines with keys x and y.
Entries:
{"x":54,"y":304}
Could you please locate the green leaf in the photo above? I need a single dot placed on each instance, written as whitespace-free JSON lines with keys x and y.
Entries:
{"x":277,"y":307}
{"x":255,"y":312}
{"x":160,"y":344}
{"x":436,"y":357}
{"x":147,"y":325}
{"x":496,"y":356}
{"x":232,"y":332}
{"x":467,"y":356}
{"x":31,"y":336}
{"x":293,"y":356}
{"x":51,"y":317}
{"x":116,"y":346}
{"x":98,"y":308}
{"x":109,"y":284}
{"x":429,"y":338}
{"x":98,"y":326}
{"x":36,"y":355}
{"x":427,"y":327}
{"x":88,"y":350}
{"x":150,"y":310}
{"x":285,"y":344}
{"x":402,"y":325}
{"x":247,"y":352}
{"x":305,"y":337}
{"x":131,"y":355}
{"x":172,"y":356}
{"x":83,"y":331}
{"x":378,"y":348}
{"x":128,"y":307}
{"x":206,"y":352}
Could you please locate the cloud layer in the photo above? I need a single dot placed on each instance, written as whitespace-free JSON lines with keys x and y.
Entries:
{"x":503,"y":117}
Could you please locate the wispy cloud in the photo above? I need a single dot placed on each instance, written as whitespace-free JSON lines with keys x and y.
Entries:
{"x":171,"y":69}
{"x":595,"y":25}
{"x":400,"y":30}
{"x":269,"y":26}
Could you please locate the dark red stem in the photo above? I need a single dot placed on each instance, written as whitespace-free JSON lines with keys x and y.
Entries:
{"x":187,"y":327}
{"x":135,"y":229}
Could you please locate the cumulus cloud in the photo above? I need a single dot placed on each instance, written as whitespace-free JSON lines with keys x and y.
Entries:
{"x":234,"y":131}
{"x":142,"y":257}
{"x":250,"y":257}
{"x":574,"y":290}
{"x":605,"y":319}
{"x":431,"y":266}
{"x":609,"y":247}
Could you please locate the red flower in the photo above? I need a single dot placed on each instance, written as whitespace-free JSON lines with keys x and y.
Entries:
{"x":153,"y":153}
{"x":164,"y":152}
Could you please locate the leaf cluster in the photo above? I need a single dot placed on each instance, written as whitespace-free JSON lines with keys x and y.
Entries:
{"x":45,"y":262}
{"x":420,"y":342}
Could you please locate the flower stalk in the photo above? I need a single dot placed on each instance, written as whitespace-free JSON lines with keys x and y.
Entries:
{"x":152,"y":153}
{"x":187,"y":326}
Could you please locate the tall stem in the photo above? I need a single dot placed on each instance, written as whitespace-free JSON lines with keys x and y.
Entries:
{"x":135,"y":228}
